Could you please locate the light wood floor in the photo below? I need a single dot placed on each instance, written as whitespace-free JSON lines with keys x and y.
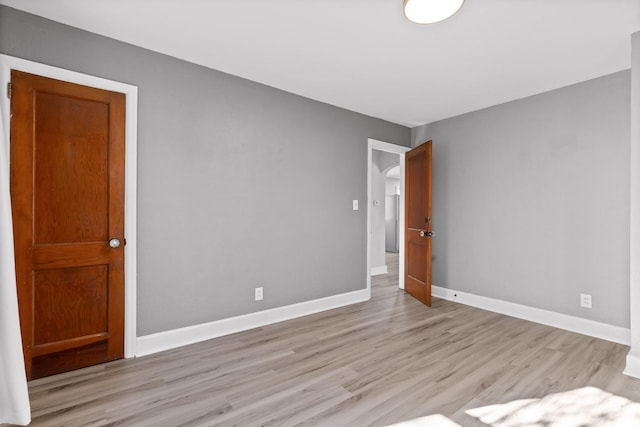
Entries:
{"x":384,"y":361}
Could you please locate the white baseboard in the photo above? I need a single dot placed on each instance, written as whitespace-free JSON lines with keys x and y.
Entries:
{"x":592,"y":328}
{"x":376,"y":271}
{"x":149,"y":344}
{"x":167,"y":340}
{"x":633,"y":366}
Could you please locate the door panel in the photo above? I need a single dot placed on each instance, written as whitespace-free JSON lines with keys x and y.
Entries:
{"x":416,"y":170}
{"x":71,"y":302}
{"x":418,"y":222}
{"x":71,"y":169}
{"x":67,"y":188}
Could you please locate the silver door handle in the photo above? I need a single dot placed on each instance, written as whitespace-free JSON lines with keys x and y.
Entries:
{"x":114,"y":243}
{"x":424,"y":233}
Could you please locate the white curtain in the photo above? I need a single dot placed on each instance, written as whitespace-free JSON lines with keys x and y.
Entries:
{"x":14,"y":396}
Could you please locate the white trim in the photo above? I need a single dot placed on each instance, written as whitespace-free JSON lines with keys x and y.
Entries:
{"x":401,"y":226}
{"x":376,"y":271}
{"x":167,"y":340}
{"x":633,"y":366}
{"x":7,"y":63}
{"x":374,"y":144}
{"x":592,"y":328}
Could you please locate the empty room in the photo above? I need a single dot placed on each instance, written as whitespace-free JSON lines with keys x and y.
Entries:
{"x":321,"y":213}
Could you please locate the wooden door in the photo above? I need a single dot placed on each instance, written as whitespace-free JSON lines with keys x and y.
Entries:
{"x":67,"y":189}
{"x":418,"y":230}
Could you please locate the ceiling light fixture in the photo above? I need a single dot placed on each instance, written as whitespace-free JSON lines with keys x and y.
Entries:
{"x":430,"y":11}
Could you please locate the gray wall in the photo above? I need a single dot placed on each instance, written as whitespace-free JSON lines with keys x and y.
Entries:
{"x":531,"y":200}
{"x":234,"y":184}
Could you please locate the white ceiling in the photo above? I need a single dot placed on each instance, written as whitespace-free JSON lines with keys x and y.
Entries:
{"x":363,"y":55}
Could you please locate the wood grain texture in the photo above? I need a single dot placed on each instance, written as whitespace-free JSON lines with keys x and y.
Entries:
{"x":371,"y":364}
{"x":70,"y":303}
{"x":418,"y":192}
{"x":67,"y":188}
{"x":71,"y":159}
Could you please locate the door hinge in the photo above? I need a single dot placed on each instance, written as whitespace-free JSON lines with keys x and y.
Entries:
{"x":9,"y":90}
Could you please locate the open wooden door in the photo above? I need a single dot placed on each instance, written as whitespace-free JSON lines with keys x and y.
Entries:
{"x":67,"y":189}
{"x":418,"y":230}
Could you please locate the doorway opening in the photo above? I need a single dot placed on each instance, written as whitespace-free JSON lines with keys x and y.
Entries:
{"x":392,"y":209}
{"x":383,"y":158}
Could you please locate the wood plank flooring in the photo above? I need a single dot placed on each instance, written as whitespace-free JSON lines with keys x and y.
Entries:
{"x":381,"y":362}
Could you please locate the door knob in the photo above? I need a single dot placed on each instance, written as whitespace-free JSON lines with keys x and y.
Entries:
{"x":424,"y":233}
{"x":114,"y":243}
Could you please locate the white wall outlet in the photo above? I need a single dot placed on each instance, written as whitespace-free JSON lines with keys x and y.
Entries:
{"x":355,"y":205}
{"x":585,"y":300}
{"x":259,"y":294}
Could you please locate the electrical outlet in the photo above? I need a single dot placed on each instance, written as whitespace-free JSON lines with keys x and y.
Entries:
{"x":585,"y":300}
{"x":259,"y":294}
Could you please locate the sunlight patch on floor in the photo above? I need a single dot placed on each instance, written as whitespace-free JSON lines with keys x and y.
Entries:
{"x":430,"y":421}
{"x":588,"y":406}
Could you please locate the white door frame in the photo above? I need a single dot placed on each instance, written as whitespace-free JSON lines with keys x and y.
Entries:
{"x":8,"y":63}
{"x":374,"y":144}
{"x":633,"y":358}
